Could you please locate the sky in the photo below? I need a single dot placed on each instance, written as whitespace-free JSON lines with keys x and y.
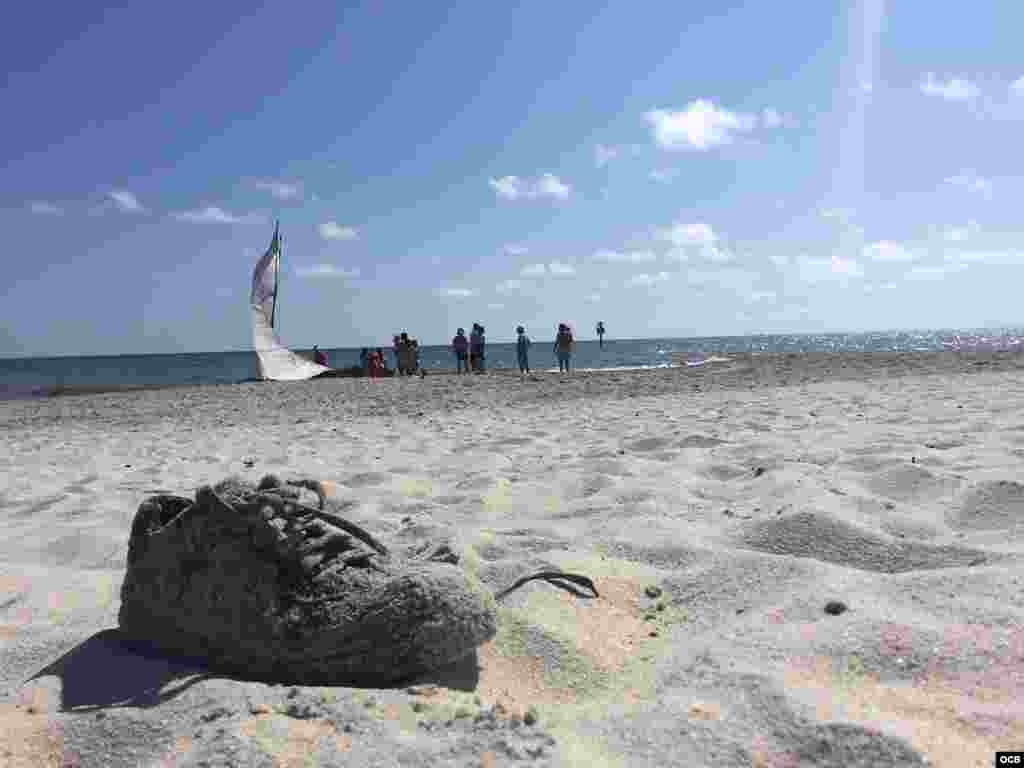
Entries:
{"x":672,"y":169}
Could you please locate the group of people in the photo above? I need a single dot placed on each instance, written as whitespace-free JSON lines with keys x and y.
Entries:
{"x":469,"y":353}
{"x":407,"y":355}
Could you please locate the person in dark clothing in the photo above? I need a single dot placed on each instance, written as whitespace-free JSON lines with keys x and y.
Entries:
{"x":522,"y":351}
{"x":319,"y":357}
{"x":563,"y":347}
{"x":460,"y":346}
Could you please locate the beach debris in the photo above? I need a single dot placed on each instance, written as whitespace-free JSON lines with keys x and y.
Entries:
{"x":652,"y":591}
{"x":256,"y":582}
{"x":835,"y":607}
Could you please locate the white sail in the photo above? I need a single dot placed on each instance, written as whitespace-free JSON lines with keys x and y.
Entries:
{"x":277,"y":362}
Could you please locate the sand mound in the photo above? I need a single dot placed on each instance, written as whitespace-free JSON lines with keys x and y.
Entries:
{"x":821,"y":537}
{"x":990,"y":506}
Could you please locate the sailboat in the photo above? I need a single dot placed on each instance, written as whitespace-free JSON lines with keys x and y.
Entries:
{"x":276,"y":361}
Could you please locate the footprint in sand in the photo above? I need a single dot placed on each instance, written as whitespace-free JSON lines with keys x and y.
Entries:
{"x":911,"y":482}
{"x":41,"y":506}
{"x":699,"y":441}
{"x":366,"y":479}
{"x":647,"y":444}
{"x":989,"y":506}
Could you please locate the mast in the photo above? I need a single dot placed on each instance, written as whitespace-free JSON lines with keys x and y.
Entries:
{"x":277,"y":272}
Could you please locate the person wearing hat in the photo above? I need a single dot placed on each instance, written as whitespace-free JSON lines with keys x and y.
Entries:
{"x":475,"y":348}
{"x":460,"y":346}
{"x":563,"y":347}
{"x":522,"y":351}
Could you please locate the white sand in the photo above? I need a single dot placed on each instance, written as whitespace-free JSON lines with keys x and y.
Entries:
{"x":750,"y":494}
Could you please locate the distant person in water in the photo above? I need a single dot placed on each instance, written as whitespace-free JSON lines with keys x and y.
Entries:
{"x":522,"y":351}
{"x":563,"y":347}
{"x":600,"y":334}
{"x":319,"y":357}
{"x":460,"y":346}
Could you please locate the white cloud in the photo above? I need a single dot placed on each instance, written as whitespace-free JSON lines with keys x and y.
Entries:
{"x":754,"y":297}
{"x":208,"y":215}
{"x":125,"y":201}
{"x":43,"y":208}
{"x":326,"y":270}
{"x":886,"y":250}
{"x":971,"y":183}
{"x":1017,"y":87}
{"x":866,"y":86}
{"x":509,"y":286}
{"x":677,"y":254}
{"x":934,"y":272}
{"x":1004,"y":258}
{"x":561,"y":268}
{"x":625,"y":257}
{"x":700,"y":125}
{"x":282,"y":190}
{"x":331,"y":230}
{"x":771,"y":118}
{"x":716,"y":254}
{"x":604,"y":155}
{"x":514,"y":249}
{"x":961,"y":234}
{"x":779,"y":261}
{"x":823,"y":270}
{"x":680,"y":234}
{"x":458,"y":293}
{"x":663,"y":175}
{"x":495,"y":307}
{"x":954,"y":89}
{"x":533,"y":270}
{"x":840,"y":214}
{"x":516,"y":188}
{"x":647,"y":280}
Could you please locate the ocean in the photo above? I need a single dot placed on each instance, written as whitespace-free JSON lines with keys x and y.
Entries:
{"x":42,"y":376}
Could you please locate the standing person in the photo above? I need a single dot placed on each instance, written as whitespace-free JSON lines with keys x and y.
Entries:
{"x":474,"y":348}
{"x":364,"y":359}
{"x":415,"y":356}
{"x":383,"y":362}
{"x":318,"y":356}
{"x":460,"y":346}
{"x":600,"y":334}
{"x":374,"y":364}
{"x":404,"y":355}
{"x":483,"y":344}
{"x":396,"y":345}
{"x":522,"y":351}
{"x":563,"y":347}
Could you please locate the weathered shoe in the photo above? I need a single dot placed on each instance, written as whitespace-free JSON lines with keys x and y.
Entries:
{"x":258,"y":583}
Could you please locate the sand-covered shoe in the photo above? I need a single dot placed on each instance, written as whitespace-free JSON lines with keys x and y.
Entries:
{"x":260,"y":584}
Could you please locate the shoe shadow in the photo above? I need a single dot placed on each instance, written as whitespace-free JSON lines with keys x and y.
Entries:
{"x":106,"y":670}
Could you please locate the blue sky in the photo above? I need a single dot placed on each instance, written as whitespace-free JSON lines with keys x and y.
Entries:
{"x":696,"y":168}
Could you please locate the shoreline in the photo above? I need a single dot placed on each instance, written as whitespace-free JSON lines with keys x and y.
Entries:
{"x":763,"y":366}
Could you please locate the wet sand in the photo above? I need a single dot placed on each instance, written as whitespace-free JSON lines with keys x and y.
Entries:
{"x":718,"y":509}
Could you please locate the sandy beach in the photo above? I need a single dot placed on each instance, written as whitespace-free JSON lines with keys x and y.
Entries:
{"x":718,"y":510}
